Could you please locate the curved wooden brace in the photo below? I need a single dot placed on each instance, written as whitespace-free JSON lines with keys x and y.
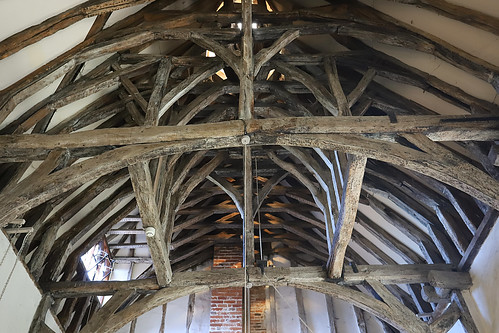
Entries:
{"x":230,"y":190}
{"x":318,"y":90}
{"x":226,"y":54}
{"x":165,"y":295}
{"x":265,"y":190}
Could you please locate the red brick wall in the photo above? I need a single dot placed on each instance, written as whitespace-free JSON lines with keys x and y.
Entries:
{"x":226,"y":314}
{"x":257,"y":313}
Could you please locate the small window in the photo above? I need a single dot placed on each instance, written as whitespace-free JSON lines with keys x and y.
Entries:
{"x":97,"y":262}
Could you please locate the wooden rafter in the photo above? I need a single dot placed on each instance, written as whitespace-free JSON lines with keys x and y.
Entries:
{"x":447,"y":188}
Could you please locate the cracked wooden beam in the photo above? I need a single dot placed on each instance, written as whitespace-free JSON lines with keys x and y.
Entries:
{"x":386,"y":274}
{"x":264,"y":55}
{"x":348,"y":212}
{"x":153,"y":106}
{"x":146,"y":200}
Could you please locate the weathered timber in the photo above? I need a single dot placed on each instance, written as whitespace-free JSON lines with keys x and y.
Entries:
{"x":422,"y":214}
{"x":428,"y":43}
{"x":302,"y":316}
{"x":455,"y":280}
{"x":236,"y":278}
{"x":466,"y":318}
{"x":446,"y":320}
{"x":135,"y":260}
{"x":62,"y":60}
{"x":372,"y":248}
{"x":266,"y":54}
{"x":192,"y":237}
{"x":39,"y":316}
{"x":361,"y":321}
{"x":437,"y":128}
{"x":97,"y":236}
{"x":146,"y":200}
{"x":163,"y":317}
{"x":390,"y":241}
{"x":413,"y":324}
{"x":79,"y":314}
{"x":348,"y":212}
{"x":320,"y":92}
{"x":293,"y":170}
{"x":488,"y":222}
{"x":186,"y":85}
{"x":234,"y":193}
{"x":58,"y":22}
{"x":190,"y":312}
{"x":152,"y":111}
{"x":332,"y":318}
{"x":249,"y":227}
{"x":462,"y":14}
{"x":62,"y":247}
{"x":200,"y":175}
{"x":412,"y":273}
{"x":464,"y":177}
{"x":324,"y":199}
{"x":335,"y":86}
{"x":182,"y":168}
{"x":200,"y":102}
{"x":226,"y":54}
{"x":262,"y":193}
{"x":107,"y":309}
{"x":386,"y":274}
{"x":246,"y":74}
{"x":444,"y":211}
{"x":357,"y":92}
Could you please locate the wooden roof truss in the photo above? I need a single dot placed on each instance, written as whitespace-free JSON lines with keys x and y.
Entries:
{"x":287,"y":140}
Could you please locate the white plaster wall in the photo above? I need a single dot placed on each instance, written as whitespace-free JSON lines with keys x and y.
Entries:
{"x":176,"y":317}
{"x":483,"y":298}
{"x":21,"y":297}
{"x":316,"y":311}
{"x":287,"y":310}
{"x":201,"y":316}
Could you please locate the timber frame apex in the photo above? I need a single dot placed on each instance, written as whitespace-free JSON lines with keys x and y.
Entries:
{"x":295,"y":139}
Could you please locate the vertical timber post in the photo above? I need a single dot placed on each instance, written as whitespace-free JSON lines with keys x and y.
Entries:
{"x":246,"y":111}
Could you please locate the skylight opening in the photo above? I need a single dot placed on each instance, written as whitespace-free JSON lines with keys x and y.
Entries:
{"x":272,"y":71}
{"x":221,"y":74}
{"x":98,"y":263}
{"x":269,"y":8}
{"x":210,"y":54}
{"x":253,"y":25}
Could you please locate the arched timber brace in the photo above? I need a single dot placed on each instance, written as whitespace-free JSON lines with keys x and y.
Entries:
{"x":311,"y":278}
{"x":296,"y":132}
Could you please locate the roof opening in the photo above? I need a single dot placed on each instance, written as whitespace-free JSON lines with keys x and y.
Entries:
{"x":98,"y":263}
{"x":253,"y":25}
